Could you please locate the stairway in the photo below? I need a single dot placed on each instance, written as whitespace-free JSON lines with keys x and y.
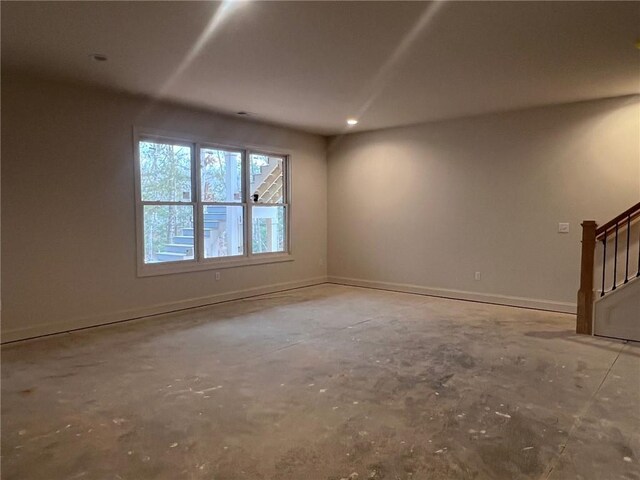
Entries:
{"x":609,"y":295}
{"x":182,"y":246}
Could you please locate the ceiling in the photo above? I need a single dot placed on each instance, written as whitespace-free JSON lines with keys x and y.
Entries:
{"x":311,"y":65}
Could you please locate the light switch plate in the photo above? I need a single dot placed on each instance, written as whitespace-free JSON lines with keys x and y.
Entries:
{"x":563,"y":228}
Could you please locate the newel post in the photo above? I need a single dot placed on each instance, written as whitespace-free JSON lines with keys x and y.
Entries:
{"x":585,"y":294}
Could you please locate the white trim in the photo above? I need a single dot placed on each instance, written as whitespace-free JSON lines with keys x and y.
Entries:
{"x":198,"y":210}
{"x":158,"y":309}
{"x":234,"y":261}
{"x":286,"y":197}
{"x":164,"y":308}
{"x":199,"y":262}
{"x":247,"y":226}
{"x":221,"y":143}
{"x":538,"y":304}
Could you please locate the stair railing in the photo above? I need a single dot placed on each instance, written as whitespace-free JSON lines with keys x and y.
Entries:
{"x":591,"y":234}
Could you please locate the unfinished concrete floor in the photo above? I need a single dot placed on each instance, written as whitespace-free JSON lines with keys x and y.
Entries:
{"x":325,"y":382}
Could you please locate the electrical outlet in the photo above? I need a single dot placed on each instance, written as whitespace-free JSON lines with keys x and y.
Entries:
{"x":477,"y":276}
{"x":563,"y":228}
{"x":217,"y":275}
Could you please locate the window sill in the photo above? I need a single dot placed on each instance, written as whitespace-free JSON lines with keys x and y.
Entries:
{"x":152,"y":270}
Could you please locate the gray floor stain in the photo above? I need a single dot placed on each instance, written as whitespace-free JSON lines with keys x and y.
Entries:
{"x":326,"y":383}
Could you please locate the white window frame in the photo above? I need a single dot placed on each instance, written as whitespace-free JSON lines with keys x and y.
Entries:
{"x":199,"y":262}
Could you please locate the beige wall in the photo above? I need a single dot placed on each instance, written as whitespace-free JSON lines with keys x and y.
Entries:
{"x":68,"y":244}
{"x":422,"y":208}
{"x":417,"y":208}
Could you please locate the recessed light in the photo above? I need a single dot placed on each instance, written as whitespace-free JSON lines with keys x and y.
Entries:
{"x":352,"y":121}
{"x":98,"y":57}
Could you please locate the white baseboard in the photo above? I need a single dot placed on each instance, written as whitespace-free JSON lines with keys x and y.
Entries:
{"x":158,"y":309}
{"x":549,"y":305}
{"x":124,"y":315}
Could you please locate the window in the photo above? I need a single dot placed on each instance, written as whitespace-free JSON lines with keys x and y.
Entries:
{"x":268,"y":217}
{"x":202,"y":206}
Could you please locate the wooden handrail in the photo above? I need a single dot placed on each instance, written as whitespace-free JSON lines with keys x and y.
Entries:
{"x":590,"y":234}
{"x":632,"y":212}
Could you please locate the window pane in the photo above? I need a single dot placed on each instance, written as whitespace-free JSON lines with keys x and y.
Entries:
{"x":168,"y":233}
{"x":221,"y":175}
{"x":267,"y":178}
{"x":165,"y":172}
{"x":268,"y":229}
{"x":223,"y":231}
